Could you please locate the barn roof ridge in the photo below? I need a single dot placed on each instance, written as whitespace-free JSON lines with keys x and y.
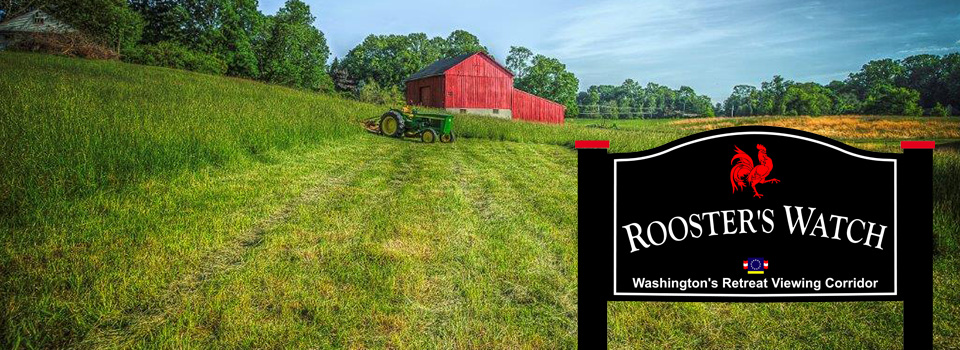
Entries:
{"x":444,"y":64}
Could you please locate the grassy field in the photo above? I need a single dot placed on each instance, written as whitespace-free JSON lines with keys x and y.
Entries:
{"x":148,"y":207}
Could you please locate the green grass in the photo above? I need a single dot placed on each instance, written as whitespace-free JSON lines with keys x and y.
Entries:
{"x":73,"y":128}
{"x":148,"y":207}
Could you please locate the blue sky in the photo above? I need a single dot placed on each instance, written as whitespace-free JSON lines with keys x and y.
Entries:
{"x":709,"y":45}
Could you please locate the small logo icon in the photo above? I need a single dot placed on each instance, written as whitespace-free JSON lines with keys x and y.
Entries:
{"x":743,"y":169}
{"x":755,"y":266}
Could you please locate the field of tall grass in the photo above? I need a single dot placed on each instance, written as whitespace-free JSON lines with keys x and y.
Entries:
{"x":72,"y":128}
{"x":149,"y":207}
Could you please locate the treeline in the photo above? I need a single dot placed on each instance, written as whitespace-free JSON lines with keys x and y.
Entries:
{"x":229,"y":37}
{"x":631,"y":100}
{"x":916,"y":85}
{"x":374,"y":70}
{"x":377,"y":67}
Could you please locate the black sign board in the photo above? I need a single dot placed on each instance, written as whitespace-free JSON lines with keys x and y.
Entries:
{"x":755,"y":214}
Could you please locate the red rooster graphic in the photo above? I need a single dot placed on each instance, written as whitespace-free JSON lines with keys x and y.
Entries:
{"x":743,"y":168}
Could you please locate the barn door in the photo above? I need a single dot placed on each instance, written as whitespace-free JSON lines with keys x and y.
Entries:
{"x":425,"y":96}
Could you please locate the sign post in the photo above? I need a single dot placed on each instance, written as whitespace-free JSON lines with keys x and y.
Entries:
{"x":755,"y":214}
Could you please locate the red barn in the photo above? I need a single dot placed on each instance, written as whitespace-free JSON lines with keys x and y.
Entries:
{"x":475,"y":83}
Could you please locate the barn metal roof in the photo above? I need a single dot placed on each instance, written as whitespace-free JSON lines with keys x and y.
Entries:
{"x":27,"y":23}
{"x":440,"y":66}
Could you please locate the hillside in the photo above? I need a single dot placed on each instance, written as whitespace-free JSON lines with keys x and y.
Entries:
{"x":149,"y":207}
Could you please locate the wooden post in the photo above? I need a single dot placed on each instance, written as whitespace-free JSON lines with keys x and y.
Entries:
{"x":594,"y":203}
{"x":918,"y":219}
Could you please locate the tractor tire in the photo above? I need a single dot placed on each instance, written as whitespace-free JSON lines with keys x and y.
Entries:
{"x":391,"y":124}
{"x":447,"y":138}
{"x":428,"y":136}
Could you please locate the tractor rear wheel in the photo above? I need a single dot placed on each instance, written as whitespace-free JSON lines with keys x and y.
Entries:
{"x":447,"y":138}
{"x":428,"y":136}
{"x":391,"y":124}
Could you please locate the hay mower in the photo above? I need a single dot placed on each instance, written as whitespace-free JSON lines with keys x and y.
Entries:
{"x":408,"y":122}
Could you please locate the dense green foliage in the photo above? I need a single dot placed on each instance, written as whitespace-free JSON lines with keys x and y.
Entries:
{"x":294,"y":53}
{"x":379,"y":65}
{"x":221,"y":28}
{"x":544,"y":76}
{"x":227,"y":37}
{"x":884,"y":87}
{"x":630,"y":100}
{"x":389,"y":59}
{"x":921,"y":84}
{"x":171,"y":54}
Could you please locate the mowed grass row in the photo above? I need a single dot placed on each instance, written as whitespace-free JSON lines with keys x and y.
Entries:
{"x":413,"y":252}
{"x":394,"y":244}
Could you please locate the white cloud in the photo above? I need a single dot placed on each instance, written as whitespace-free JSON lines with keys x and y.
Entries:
{"x":927,"y":49}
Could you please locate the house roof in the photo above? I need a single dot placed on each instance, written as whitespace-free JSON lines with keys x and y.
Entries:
{"x":440,"y":66}
{"x":26,"y":23}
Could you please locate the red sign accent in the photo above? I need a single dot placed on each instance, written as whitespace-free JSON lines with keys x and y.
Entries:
{"x":743,"y":169}
{"x":916,"y":144}
{"x":591,"y":144}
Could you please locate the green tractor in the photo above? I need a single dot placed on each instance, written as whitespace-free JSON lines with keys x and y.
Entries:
{"x":411,"y":123}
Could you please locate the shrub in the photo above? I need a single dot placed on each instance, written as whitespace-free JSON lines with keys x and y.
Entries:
{"x":371,"y":92}
{"x":939,"y":111}
{"x":173,"y":55}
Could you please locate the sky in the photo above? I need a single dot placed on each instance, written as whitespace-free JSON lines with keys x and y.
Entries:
{"x":709,"y":45}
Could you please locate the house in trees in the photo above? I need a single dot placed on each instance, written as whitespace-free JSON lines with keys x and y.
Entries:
{"x":34,"y":22}
{"x":475,"y":83}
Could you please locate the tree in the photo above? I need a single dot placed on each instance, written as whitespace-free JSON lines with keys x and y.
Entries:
{"x":659,"y":98}
{"x":890,"y":100}
{"x":519,"y":61}
{"x":808,"y":99}
{"x":390,"y":59}
{"x":922,"y":73}
{"x":609,"y":109}
{"x":771,"y":96}
{"x":112,"y":22}
{"x":885,"y":72}
{"x":238,"y":25}
{"x":950,"y":81}
{"x":295,"y":54}
{"x":742,"y":101}
{"x":687,"y":98}
{"x":548,"y":78}
{"x":461,"y":42}
{"x":590,"y":100}
{"x":231,"y":30}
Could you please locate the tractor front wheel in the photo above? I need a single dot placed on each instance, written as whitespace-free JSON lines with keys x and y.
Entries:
{"x":391,"y":124}
{"x":428,"y":136}
{"x":447,"y":138}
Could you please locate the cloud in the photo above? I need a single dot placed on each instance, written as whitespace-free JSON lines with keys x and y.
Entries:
{"x":928,"y":49}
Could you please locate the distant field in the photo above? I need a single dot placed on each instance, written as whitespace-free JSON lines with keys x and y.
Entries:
{"x":148,"y":207}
